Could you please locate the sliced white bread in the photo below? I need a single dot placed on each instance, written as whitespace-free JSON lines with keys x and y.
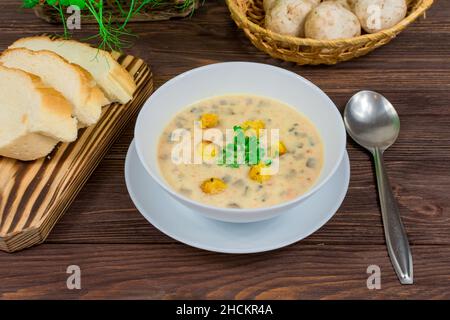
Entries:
{"x":33,"y":117}
{"x":28,"y":147}
{"x":72,"y":81}
{"x":114,"y":80}
{"x":15,"y":139}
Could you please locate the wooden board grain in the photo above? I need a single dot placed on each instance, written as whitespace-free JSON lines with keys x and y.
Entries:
{"x":34,"y":195}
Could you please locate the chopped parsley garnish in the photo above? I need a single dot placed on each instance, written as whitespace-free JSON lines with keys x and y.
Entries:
{"x":247,"y":146}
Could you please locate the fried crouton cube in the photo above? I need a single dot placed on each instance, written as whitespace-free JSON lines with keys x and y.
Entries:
{"x":281,"y":148}
{"x":256,"y":175}
{"x":208,"y":150}
{"x":213,"y":186}
{"x":209,"y":120}
{"x":256,"y":125}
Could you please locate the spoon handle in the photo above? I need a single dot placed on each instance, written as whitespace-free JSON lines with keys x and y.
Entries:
{"x":396,"y":238}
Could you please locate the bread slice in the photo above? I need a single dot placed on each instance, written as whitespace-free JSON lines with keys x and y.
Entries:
{"x":15,"y":140}
{"x":28,"y":147}
{"x":114,"y":80}
{"x":72,"y":81}
{"x":33,"y":117}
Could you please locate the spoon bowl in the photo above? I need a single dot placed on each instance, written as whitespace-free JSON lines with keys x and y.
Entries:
{"x":371,"y":120}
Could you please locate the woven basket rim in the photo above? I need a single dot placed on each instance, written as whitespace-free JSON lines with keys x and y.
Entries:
{"x":391,"y":32}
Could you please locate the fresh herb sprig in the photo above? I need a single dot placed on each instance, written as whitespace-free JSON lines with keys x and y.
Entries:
{"x":250,"y":145}
{"x":111,"y":34}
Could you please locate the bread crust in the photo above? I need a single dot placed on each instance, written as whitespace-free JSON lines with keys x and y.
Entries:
{"x":50,"y":104}
{"x":89,"y":95}
{"x":118,"y":84}
{"x":55,"y":102}
{"x":28,"y":147}
{"x":48,"y":118}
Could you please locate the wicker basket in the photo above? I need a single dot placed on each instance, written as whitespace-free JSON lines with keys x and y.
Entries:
{"x":249,"y":16}
{"x":166,"y":10}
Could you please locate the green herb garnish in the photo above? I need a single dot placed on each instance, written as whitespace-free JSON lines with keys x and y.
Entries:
{"x":111,"y":35}
{"x":247,"y":146}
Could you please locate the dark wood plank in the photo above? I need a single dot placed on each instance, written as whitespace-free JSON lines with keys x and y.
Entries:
{"x":176,"y":271}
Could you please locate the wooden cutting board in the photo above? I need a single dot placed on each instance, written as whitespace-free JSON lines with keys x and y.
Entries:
{"x":34,"y":195}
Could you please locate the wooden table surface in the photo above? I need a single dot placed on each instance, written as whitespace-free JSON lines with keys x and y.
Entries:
{"x":122,"y":256}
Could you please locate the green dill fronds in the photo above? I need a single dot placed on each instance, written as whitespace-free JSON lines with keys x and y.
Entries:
{"x":111,"y":34}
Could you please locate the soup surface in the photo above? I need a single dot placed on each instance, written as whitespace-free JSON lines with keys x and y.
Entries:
{"x":300,"y":153}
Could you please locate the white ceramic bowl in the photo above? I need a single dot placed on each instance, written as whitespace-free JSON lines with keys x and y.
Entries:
{"x":239,"y":78}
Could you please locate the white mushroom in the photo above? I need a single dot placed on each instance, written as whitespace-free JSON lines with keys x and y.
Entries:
{"x":268,"y":4}
{"x":376,"y":15}
{"x":332,"y":20}
{"x":288,"y":16}
{"x":349,"y":4}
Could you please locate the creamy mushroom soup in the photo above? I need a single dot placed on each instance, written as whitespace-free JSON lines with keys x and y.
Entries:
{"x":223,"y":181}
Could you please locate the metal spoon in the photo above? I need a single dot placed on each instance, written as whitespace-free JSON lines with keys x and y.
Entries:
{"x":372,"y":122}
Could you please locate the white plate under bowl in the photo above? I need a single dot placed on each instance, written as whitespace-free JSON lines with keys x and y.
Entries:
{"x":185,"y":225}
